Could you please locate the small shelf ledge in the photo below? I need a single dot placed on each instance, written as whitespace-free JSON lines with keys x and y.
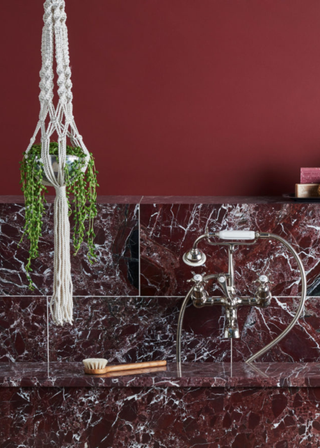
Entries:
{"x":225,"y":375}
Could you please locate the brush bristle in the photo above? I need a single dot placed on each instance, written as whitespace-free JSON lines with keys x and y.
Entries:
{"x":95,"y":363}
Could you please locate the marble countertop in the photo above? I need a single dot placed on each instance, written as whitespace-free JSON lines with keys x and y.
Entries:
{"x":127,"y":199}
{"x":275,"y":375}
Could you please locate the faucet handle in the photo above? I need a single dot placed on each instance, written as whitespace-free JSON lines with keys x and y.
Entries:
{"x":263,"y":280}
{"x":197,"y":278}
{"x":222,"y":280}
{"x":263,"y":294}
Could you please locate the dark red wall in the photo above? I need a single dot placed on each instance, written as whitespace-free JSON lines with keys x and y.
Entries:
{"x":175,"y":97}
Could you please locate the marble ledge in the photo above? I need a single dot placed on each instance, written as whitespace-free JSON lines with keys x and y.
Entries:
{"x":139,"y":199}
{"x":19,"y":199}
{"x":200,"y":375}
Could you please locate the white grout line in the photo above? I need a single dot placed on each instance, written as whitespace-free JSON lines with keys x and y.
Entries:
{"x":139,"y":252}
{"x":48,"y":339}
{"x":101,"y":297}
{"x":231,"y":355}
{"x":133,"y":296}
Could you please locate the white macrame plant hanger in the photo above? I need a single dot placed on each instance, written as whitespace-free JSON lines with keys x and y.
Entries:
{"x":60,"y":120}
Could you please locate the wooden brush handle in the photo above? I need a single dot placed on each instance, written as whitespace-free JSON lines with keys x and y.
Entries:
{"x":137,"y":365}
{"x":119,"y":373}
{"x":121,"y":367}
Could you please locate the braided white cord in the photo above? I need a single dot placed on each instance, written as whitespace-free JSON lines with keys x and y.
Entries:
{"x":46,"y":72}
{"x":61,"y":121}
{"x":64,"y":77}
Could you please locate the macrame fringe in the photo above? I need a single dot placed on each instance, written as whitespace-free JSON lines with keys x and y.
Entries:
{"x":61,"y":304}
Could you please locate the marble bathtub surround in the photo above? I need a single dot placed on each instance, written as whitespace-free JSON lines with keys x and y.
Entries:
{"x":47,"y":400}
{"x":169,"y":230}
{"x":145,"y":327}
{"x":115,"y":271}
{"x":139,"y":329}
{"x":160,"y":416}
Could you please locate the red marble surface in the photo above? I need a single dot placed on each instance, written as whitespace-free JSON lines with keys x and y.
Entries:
{"x":195,"y":374}
{"x":133,"y":329}
{"x":213,"y":403}
{"x":140,"y":329}
{"x":214,"y":199}
{"x":121,"y":329}
{"x":115,"y":227}
{"x":19,"y":199}
{"x":202,"y":335}
{"x":129,"y":199}
{"x":169,"y":230}
{"x":258,"y":327}
{"x":160,"y":417}
{"x":23,"y":329}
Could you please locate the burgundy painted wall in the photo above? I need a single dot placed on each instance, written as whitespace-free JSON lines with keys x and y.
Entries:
{"x":175,"y":97}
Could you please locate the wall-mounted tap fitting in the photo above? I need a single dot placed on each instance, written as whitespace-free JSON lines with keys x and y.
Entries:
{"x":263,"y":294}
{"x":230,"y":300}
{"x":199,"y":294}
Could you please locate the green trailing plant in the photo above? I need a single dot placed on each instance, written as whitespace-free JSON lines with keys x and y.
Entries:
{"x":80,"y":184}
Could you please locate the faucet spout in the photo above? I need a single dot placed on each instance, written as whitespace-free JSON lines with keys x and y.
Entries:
{"x":231,"y":329}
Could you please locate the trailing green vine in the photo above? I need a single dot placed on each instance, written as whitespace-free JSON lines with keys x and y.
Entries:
{"x":81,"y":185}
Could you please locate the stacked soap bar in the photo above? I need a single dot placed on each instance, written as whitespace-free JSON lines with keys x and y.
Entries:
{"x":309,"y":186}
{"x":309,"y":175}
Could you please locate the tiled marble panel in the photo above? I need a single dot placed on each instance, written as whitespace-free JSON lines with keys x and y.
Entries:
{"x":136,"y":329}
{"x":23,"y":329}
{"x":168,"y":231}
{"x":259,"y":326}
{"x":159,"y":417}
{"x":120,"y":329}
{"x":116,"y":269}
{"x":128,"y":329}
{"x":141,"y":329}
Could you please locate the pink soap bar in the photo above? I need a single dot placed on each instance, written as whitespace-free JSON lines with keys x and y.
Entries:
{"x":309,"y":175}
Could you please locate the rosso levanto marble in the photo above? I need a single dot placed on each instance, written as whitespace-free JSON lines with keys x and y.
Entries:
{"x":169,"y":230}
{"x":130,"y":329}
{"x":159,"y":417}
{"x":23,"y":329}
{"x":204,"y":374}
{"x":115,"y":271}
{"x":47,"y":401}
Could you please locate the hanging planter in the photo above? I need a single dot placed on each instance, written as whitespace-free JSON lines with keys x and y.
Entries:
{"x":81,"y":185}
{"x":54,"y":164}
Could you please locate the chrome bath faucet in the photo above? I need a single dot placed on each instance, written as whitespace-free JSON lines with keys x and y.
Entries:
{"x":230,"y":300}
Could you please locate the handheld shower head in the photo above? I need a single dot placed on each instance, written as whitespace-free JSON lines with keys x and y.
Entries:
{"x":230,"y":300}
{"x":195,"y":257}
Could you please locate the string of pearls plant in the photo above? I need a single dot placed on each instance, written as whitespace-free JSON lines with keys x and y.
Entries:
{"x":80,"y":185}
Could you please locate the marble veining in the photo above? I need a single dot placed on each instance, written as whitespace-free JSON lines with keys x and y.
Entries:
{"x":115,"y":271}
{"x":141,"y":329}
{"x":217,"y":400}
{"x":23,"y":329}
{"x":194,"y":374}
{"x":169,"y":230}
{"x":159,"y":417}
{"x":133,"y":329}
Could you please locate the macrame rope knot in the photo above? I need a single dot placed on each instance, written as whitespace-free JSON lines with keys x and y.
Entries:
{"x":57,"y":119}
{"x":61,"y":192}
